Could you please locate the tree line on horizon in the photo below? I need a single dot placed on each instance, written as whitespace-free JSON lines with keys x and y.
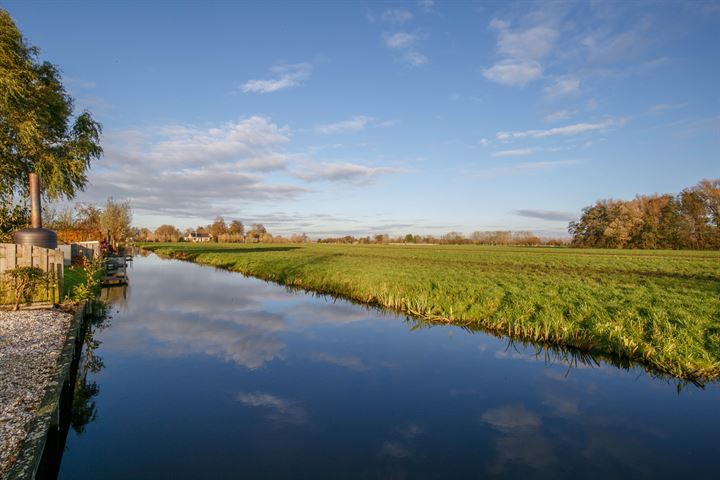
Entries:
{"x":220,"y":231}
{"x":235,"y":232}
{"x":688,"y":220}
{"x":496,"y":237}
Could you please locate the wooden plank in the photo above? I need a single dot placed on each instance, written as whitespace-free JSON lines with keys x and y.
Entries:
{"x":41,"y":259}
{"x":60,"y":278}
{"x":42,"y":256}
{"x":3,"y":259}
{"x":12,"y":256}
{"x":26,"y":255}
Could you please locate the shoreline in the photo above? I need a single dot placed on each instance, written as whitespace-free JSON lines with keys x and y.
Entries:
{"x":40,"y":362}
{"x":582,"y":341}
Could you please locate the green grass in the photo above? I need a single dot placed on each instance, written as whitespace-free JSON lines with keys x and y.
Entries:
{"x":72,"y":277}
{"x":77,"y":276}
{"x":658,"y":308}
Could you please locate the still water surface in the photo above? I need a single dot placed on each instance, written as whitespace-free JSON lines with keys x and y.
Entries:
{"x":208,"y":374}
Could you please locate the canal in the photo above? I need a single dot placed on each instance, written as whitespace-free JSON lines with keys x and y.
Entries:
{"x":203,"y":373}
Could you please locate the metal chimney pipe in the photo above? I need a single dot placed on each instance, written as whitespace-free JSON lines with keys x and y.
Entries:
{"x":37,"y":236}
{"x":35,"y":205}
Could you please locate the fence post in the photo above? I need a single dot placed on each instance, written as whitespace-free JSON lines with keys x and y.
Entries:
{"x":60,"y":266}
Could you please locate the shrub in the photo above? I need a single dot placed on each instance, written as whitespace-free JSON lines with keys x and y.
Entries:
{"x":25,"y":282}
{"x":89,"y":289}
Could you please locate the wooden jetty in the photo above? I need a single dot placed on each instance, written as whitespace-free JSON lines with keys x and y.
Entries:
{"x":116,"y":271}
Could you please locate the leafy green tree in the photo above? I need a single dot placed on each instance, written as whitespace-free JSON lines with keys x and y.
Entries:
{"x":687,"y":220}
{"x":38,"y":131}
{"x":588,"y":231}
{"x":12,"y":217}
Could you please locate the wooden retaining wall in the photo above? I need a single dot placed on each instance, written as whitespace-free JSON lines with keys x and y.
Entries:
{"x":49,"y":261}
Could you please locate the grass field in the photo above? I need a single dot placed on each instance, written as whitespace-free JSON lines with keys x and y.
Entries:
{"x":73,"y":276}
{"x":659,"y":308}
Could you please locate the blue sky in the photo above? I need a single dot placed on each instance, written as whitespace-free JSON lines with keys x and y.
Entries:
{"x":366,"y":117}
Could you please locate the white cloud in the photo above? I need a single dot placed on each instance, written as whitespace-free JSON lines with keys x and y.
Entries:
{"x":511,"y":418}
{"x":389,"y":123}
{"x":531,"y":44}
{"x":250,"y":141}
{"x":396,"y":15}
{"x":484,"y":142}
{"x":575,"y":129}
{"x":513,"y":73}
{"x":189,"y":171}
{"x":284,"y":76}
{"x":400,"y":40}
{"x":563,"y":87}
{"x":562,"y":406}
{"x":661,"y":107}
{"x":550,"y":215}
{"x":356,"y":123}
{"x":404,"y":43}
{"x":414,"y":58}
{"x":522,"y":51}
{"x":559,"y":115}
{"x":592,"y":104}
{"x":513,"y":153}
{"x":344,"y":172}
{"x":345,"y":361}
{"x":604,"y":46}
{"x":280,"y":409}
{"x":427,"y":5}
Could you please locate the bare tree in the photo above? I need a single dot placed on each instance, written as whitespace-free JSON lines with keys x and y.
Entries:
{"x":218,"y":227}
{"x":116,"y":219}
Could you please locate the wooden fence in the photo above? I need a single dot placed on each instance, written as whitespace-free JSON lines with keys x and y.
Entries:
{"x":49,"y":261}
{"x":89,"y":250}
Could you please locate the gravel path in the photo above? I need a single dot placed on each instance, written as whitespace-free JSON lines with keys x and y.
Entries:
{"x":30,"y":343}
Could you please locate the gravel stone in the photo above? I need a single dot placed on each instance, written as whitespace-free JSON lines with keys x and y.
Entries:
{"x":31,"y":342}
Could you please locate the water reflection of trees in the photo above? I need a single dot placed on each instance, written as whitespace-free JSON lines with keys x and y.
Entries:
{"x":554,"y":354}
{"x":84,"y":409}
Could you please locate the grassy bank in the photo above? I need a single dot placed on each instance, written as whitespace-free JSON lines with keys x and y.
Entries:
{"x":660,"y":308}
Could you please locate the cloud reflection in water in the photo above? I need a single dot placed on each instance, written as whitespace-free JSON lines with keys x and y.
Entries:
{"x":222,"y":315}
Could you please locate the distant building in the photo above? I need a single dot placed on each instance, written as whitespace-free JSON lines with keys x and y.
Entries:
{"x":196,"y":237}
